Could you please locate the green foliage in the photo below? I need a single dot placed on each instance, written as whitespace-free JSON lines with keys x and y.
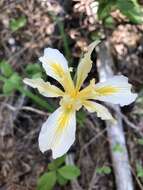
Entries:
{"x":139,"y":169}
{"x":105,"y":7}
{"x":6,"y":68}
{"x":130,"y":8}
{"x":69,"y":172}
{"x":34,"y":70}
{"x":56,"y":163}
{"x":61,"y":180}
{"x":47,"y":181}
{"x":60,"y":173}
{"x":11,"y":79}
{"x":118,"y":148}
{"x":13,"y":82}
{"x":103,"y":170}
{"x":140,"y":141}
{"x":16,"y":24}
{"x":109,"y":22}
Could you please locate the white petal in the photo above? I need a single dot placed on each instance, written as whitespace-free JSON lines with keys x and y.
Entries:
{"x":101,"y":111}
{"x":85,"y":65}
{"x":115,"y":90}
{"x":56,"y":66}
{"x":54,"y":63}
{"x":58,"y":132}
{"x":45,"y":88}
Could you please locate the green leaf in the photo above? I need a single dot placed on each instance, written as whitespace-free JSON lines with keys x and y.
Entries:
{"x":8,"y":88}
{"x":134,"y":16}
{"x":33,"y":69}
{"x":15,"y":79}
{"x":139,"y":169}
{"x":61,"y":180}
{"x":125,"y":5}
{"x":16,"y":24}
{"x":37,"y":75}
{"x":56,"y":163}
{"x":109,"y":22}
{"x":69,"y":172}
{"x":131,"y":9}
{"x":117,"y":148}
{"x":105,"y":7}
{"x":140,"y":141}
{"x":6,"y":68}
{"x":103,"y":170}
{"x":47,"y":181}
{"x":11,"y":84}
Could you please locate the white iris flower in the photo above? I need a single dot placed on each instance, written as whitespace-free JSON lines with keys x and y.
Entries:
{"x":58,"y":132}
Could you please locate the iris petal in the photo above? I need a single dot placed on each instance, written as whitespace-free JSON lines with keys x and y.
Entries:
{"x":85,"y":65}
{"x":115,"y":90}
{"x":58,"y":132}
{"x":56,"y":66}
{"x":101,"y":111}
{"x":45,"y":88}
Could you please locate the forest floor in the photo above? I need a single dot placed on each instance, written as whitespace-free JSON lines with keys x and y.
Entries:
{"x":21,"y":162}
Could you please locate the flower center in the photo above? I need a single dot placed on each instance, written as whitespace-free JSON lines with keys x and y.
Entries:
{"x":71,"y":101}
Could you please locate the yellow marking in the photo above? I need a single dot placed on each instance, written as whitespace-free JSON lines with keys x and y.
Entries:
{"x":74,"y":93}
{"x":87,"y":92}
{"x":63,"y":120}
{"x":58,"y":69}
{"x":64,"y":77}
{"x":107,"y":90}
{"x":67,"y":82}
{"x":62,"y":123}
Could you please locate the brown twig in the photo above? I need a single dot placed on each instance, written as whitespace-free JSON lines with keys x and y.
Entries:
{"x":27,"y":108}
{"x":91,"y":141}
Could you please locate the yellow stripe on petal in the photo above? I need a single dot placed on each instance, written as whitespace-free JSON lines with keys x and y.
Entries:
{"x":58,"y":132}
{"x":64,"y":119}
{"x":58,"y":70}
{"x":88,"y":92}
{"x":56,"y":66}
{"x":45,"y":88}
{"x":115,"y":90}
{"x":63,"y":77}
{"x":107,"y":90}
{"x":67,"y":83}
{"x":62,"y":124}
{"x":54,"y":63}
{"x":85,"y":65}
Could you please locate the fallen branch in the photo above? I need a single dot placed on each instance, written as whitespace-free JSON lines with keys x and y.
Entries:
{"x":115,"y":131}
